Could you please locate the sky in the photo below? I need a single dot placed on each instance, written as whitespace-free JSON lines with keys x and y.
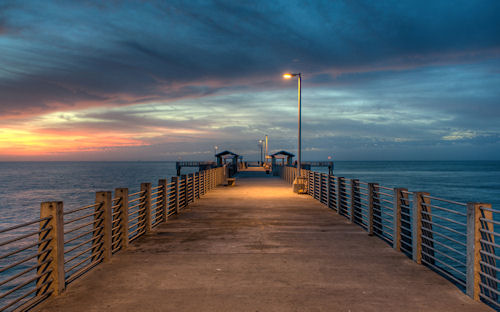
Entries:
{"x":169,"y":80}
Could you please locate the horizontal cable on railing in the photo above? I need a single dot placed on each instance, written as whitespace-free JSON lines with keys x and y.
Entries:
{"x":96,"y":255}
{"x":443,"y":227}
{"x":136,"y":199}
{"x":83,"y":270}
{"x":31,"y":280}
{"x":444,"y":272}
{"x":445,"y":209}
{"x":81,"y":208}
{"x":489,"y":243}
{"x":83,"y":234}
{"x":443,"y":236}
{"x":443,"y":218}
{"x":25,"y":260}
{"x":444,"y":255}
{"x":24,"y":236}
{"x":24,"y":272}
{"x":38,"y":243}
{"x":445,"y":200}
{"x":93,"y":238}
{"x":136,"y":193}
{"x":24,"y":224}
{"x":82,"y":217}
{"x":443,"y":263}
{"x":81,"y":226}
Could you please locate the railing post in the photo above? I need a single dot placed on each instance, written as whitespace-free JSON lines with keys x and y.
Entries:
{"x":475,"y":213}
{"x":328,"y":177}
{"x":396,"y":234}
{"x":195,"y":188}
{"x":185,"y":196}
{"x":320,"y":191}
{"x":98,"y":248}
{"x":202,"y":179}
{"x":164,"y":200}
{"x":104,"y":200}
{"x":54,"y":211}
{"x":146,"y":189}
{"x":340,"y":186}
{"x":354,"y":199}
{"x":175,"y":180}
{"x":122,"y":194}
{"x":421,"y":228}
{"x":377,"y":209}
{"x":371,"y":192}
{"x":198,"y":184}
{"x":333,"y":192}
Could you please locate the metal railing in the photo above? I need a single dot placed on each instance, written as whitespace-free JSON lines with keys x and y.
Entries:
{"x":456,"y":240}
{"x":40,"y":258}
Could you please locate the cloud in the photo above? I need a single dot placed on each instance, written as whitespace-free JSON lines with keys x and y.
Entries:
{"x":85,"y":52}
{"x":395,"y":74}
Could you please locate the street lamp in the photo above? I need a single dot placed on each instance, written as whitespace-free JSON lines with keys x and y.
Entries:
{"x":215,"y":149}
{"x":299,"y":183}
{"x":261,"y":145}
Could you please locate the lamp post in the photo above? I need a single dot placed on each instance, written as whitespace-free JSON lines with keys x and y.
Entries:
{"x":261,"y":144}
{"x":299,"y":183}
{"x":215,"y":149}
{"x":267,"y":149}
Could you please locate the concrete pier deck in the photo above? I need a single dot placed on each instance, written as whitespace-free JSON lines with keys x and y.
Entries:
{"x":259,"y":247}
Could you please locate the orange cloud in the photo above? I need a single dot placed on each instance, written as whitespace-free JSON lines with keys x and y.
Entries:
{"x":42,"y":142}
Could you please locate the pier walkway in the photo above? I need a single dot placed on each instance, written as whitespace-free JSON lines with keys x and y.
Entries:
{"x":259,"y":247}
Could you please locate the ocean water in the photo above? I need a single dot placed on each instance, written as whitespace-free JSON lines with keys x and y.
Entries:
{"x":24,"y":185}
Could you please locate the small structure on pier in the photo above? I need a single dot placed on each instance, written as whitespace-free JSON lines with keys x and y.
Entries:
{"x":226,"y":156}
{"x":281,"y":155}
{"x":308,"y":164}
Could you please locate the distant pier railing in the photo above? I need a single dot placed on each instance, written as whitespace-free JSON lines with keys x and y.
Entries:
{"x":40,"y":258}
{"x":455,"y":239}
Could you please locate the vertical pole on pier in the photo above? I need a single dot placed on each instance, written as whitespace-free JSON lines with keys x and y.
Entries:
{"x":478,"y":215}
{"x":53,"y":211}
{"x":193,"y":187}
{"x":175,"y":180}
{"x":340,"y":193}
{"x":422,"y":228}
{"x":198,"y":187}
{"x":146,"y":205}
{"x":98,"y":248}
{"x":105,"y":215}
{"x":201,"y":183}
{"x":122,"y":194}
{"x":328,"y":177}
{"x":320,"y":186}
{"x":333,"y":192}
{"x":354,"y":200}
{"x":164,"y":202}
{"x":371,"y":193}
{"x":396,"y":223}
{"x":205,"y":179}
{"x":184,"y":181}
{"x":377,"y":210}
